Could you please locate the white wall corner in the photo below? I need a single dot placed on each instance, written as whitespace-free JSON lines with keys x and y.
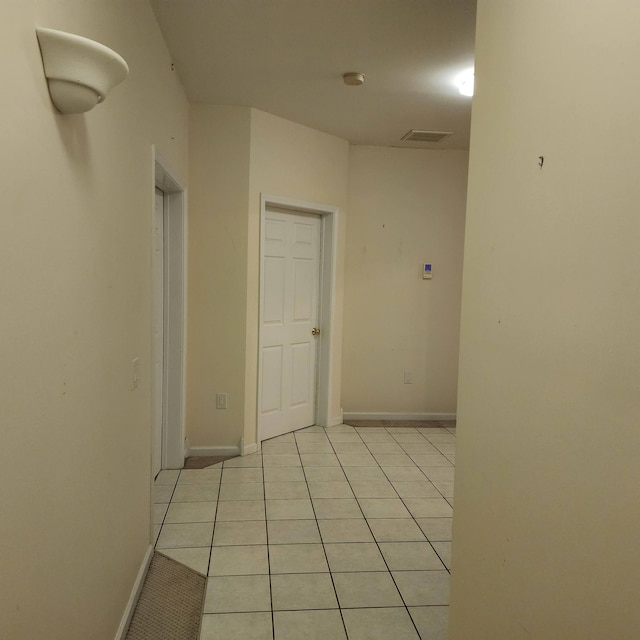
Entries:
{"x":246,"y":449}
{"x":135,"y":594}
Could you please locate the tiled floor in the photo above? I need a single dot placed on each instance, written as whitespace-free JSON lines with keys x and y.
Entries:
{"x":326,"y":534}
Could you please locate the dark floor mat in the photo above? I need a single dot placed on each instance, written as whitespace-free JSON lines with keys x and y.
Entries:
{"x":170,"y":603}
{"x":201,"y":462}
{"x":419,"y":424}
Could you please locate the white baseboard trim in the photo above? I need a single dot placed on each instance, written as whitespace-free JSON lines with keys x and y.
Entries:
{"x":398,"y":416}
{"x":214,"y":451}
{"x":135,"y":594}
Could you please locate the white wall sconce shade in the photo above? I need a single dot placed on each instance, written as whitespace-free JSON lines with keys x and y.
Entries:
{"x":80,"y":72}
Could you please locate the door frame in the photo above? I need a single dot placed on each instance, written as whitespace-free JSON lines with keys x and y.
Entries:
{"x":326,"y":316}
{"x":175,"y":289}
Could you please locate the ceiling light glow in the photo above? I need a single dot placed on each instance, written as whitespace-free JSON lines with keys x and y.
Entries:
{"x":465,"y":82}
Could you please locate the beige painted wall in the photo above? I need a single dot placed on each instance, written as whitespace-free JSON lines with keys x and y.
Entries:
{"x":406,"y":207}
{"x":548,"y":482}
{"x":235,"y":155}
{"x":75,"y":277}
{"x":219,"y":140}
{"x":292,"y":161}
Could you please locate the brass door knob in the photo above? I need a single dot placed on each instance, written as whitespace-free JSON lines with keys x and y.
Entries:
{"x":315,"y":331}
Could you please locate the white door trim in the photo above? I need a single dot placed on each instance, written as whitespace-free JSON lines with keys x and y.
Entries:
{"x":329,"y":251}
{"x":165,"y":179}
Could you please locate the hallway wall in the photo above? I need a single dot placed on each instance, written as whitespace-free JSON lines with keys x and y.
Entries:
{"x":75,"y":283}
{"x":406,"y":207}
{"x":236,"y":154}
{"x":545,"y":532}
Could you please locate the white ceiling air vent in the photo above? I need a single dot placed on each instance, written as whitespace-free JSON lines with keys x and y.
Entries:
{"x":417,"y":135}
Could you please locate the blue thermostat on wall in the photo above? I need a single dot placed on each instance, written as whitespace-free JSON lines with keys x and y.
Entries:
{"x":427,"y":272}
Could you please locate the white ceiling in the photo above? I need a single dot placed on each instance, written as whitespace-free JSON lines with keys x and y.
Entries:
{"x":287,"y":57}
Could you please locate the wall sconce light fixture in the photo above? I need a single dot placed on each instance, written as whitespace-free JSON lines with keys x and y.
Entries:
{"x":80,"y":72}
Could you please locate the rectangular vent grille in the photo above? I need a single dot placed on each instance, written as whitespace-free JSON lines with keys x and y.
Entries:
{"x":417,"y":135}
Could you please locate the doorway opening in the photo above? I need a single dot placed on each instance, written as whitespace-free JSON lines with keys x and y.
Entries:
{"x":169,"y":289}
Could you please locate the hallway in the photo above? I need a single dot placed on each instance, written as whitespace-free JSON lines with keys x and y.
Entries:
{"x":325,"y":534}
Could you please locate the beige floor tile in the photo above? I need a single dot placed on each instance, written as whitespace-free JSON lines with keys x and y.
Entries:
{"x":324,"y":474}
{"x":246,"y":532}
{"x":319,"y":460}
{"x":241,"y":491}
{"x":315,"y":447}
{"x":297,"y":558}
{"x":311,"y":437}
{"x":283,"y":474}
{"x":270,"y":448}
{"x":445,"y":474}
{"x":383,"y":508}
{"x":303,"y":591}
{"x":242,"y":475}
{"x":162,"y":494}
{"x":432,"y":622}
{"x":191,"y":534}
{"x":350,"y":447}
{"x":419,"y":588}
{"x":443,"y":549}
{"x":351,"y":530}
{"x":354,"y":556}
{"x":293,"y":532}
{"x":289,"y":510}
{"x":159,"y":512}
{"x":428,"y":507}
{"x":393,"y":460}
{"x":281,"y":460}
{"x":240,"y":510}
{"x":380,"y":624}
{"x":236,"y":594}
{"x":167,"y":477}
{"x":286,"y":490}
{"x":357,"y":460}
{"x":403,"y":474}
{"x":385,"y":447}
{"x":410,"y":556}
{"x":374,"y":489}
{"x":344,"y":436}
{"x":419,"y":489}
{"x":308,"y":625}
{"x":430,"y":460}
{"x":366,"y":474}
{"x":330,"y":489}
{"x":196,"y":493}
{"x":200,"y":476}
{"x":237,"y":626}
{"x":367,"y":589}
{"x":191,"y":512}
{"x":239,"y":561}
{"x":396,"y":530}
{"x":436,"y":529}
{"x":336,"y":508}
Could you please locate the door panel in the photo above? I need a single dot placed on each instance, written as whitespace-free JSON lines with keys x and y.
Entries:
{"x":289,"y":312}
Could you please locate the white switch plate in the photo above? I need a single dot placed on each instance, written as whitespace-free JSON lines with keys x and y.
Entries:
{"x":221,"y":400}
{"x":408,"y":377}
{"x":135,"y":373}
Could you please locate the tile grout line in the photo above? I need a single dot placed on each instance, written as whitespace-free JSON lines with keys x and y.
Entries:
{"x":266,"y":527}
{"x":405,"y":505}
{"x":324,"y":550}
{"x":374,"y":538}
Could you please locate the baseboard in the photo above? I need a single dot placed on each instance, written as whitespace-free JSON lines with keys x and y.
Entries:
{"x":214,"y":451}
{"x":246,"y":449}
{"x":399,"y":416}
{"x":135,"y":594}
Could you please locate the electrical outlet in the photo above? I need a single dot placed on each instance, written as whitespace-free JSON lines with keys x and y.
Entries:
{"x":408,"y":377}
{"x":135,"y":373}
{"x":221,"y":400}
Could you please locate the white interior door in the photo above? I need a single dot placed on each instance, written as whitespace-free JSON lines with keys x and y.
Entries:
{"x":158,"y":331}
{"x":290,"y":285}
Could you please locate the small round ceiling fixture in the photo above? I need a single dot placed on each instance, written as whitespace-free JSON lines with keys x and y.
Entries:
{"x":353,"y":78}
